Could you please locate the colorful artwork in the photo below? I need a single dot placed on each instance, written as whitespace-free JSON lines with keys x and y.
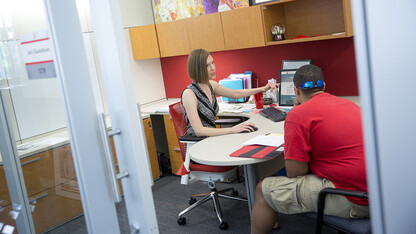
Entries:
{"x":212,"y":6}
{"x":168,"y":10}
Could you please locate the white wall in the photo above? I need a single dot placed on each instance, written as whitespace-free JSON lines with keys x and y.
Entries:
{"x":146,"y":74}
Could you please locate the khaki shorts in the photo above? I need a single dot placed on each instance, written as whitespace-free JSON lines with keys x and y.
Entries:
{"x":299,"y":195}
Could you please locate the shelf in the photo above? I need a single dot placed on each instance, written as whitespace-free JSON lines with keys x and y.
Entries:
{"x":305,"y":17}
{"x":276,"y":2}
{"x":317,"y":38}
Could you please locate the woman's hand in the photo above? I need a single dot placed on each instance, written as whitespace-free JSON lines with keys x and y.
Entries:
{"x":246,"y":126}
{"x":272,"y":86}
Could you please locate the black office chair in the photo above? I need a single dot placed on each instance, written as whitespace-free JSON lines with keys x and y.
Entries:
{"x":192,"y":172}
{"x":343,"y":225}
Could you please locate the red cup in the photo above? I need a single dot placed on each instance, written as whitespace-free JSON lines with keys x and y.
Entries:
{"x":258,"y":98}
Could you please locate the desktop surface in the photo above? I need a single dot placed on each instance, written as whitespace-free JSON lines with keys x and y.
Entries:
{"x":216,"y":150}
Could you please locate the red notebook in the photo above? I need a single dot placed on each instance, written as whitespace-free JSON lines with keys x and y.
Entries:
{"x":257,"y":151}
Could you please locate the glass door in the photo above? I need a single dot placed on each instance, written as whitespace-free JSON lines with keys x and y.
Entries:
{"x":55,"y":160}
{"x":38,"y":184}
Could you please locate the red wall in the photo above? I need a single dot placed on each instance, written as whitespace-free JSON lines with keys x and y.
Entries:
{"x":336,"y":58}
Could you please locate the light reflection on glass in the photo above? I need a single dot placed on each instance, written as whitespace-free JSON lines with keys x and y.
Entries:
{"x":13,"y":214}
{"x":7,"y":229}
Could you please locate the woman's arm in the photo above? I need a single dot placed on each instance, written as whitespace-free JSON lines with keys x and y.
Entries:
{"x":240,"y":93}
{"x":190,"y":103}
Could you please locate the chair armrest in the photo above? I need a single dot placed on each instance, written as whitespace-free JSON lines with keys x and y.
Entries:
{"x":228,"y":121}
{"x":321,"y":201}
{"x":190,"y":138}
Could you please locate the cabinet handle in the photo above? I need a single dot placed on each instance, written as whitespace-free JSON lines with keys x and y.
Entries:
{"x":109,"y":158}
{"x":38,"y":197}
{"x":177,"y":149}
{"x":30,"y":161}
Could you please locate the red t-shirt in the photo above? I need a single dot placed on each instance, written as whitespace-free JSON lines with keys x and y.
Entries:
{"x":326,"y":131}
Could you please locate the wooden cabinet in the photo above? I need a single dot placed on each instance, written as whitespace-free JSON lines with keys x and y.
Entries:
{"x":151,"y":148}
{"x":42,"y":171}
{"x":318,"y":19}
{"x":50,"y":207}
{"x":173,"y":144}
{"x":56,"y":205}
{"x":205,"y":32}
{"x":249,"y":27}
{"x":144,"y":42}
{"x":243,"y":28}
{"x":173,"y":38}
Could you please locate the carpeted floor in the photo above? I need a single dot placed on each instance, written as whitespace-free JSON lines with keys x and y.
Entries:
{"x":171,"y":198}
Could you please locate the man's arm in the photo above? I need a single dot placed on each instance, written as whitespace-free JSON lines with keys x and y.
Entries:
{"x":296,"y":168}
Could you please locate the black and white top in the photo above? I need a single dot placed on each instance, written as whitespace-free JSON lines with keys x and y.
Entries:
{"x":206,"y":110}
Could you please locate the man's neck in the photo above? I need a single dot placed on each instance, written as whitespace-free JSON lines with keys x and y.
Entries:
{"x":307,"y":97}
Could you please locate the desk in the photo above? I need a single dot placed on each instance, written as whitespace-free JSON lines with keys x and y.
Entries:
{"x":216,"y":150}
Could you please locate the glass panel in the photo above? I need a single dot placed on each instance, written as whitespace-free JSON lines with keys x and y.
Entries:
{"x":37,"y":119}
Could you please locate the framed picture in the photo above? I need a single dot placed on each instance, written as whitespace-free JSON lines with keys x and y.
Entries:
{"x":256,"y":2}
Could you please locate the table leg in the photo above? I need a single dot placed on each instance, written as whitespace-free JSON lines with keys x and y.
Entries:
{"x":251,"y":177}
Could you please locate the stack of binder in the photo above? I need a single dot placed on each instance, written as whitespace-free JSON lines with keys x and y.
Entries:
{"x":237,"y":81}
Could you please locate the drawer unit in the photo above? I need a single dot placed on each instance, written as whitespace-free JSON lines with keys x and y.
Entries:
{"x":42,"y":171}
{"x":56,"y":205}
{"x":173,"y":144}
{"x":151,"y":147}
{"x":50,"y":207}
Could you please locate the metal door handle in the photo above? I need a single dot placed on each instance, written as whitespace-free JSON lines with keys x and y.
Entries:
{"x":109,"y":158}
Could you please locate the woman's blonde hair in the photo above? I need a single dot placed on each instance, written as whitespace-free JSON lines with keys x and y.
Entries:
{"x":197,"y":66}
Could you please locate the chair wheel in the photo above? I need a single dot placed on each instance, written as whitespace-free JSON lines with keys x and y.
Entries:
{"x":192,"y":200}
{"x":223,"y":226}
{"x":181,"y":221}
{"x":235,"y":193}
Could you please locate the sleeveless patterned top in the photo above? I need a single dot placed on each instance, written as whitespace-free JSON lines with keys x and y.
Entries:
{"x":206,"y":110}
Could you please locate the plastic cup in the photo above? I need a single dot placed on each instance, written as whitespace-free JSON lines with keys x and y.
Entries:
{"x":258,"y":98}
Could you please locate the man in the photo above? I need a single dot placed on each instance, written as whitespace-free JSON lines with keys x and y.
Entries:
{"x":323,"y":148}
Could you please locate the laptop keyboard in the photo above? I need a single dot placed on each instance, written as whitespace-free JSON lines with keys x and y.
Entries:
{"x":273,"y":114}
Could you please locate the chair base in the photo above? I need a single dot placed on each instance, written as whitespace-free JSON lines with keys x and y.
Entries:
{"x":213,"y":195}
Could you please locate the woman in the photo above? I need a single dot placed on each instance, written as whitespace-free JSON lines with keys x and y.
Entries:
{"x":199,"y":101}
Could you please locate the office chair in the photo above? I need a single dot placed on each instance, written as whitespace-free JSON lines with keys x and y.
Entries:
{"x":343,"y":225}
{"x":192,"y":172}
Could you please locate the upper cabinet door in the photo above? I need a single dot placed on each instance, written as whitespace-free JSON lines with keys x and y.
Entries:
{"x":173,"y":38}
{"x":205,"y":32}
{"x":144,"y":42}
{"x":243,"y":28}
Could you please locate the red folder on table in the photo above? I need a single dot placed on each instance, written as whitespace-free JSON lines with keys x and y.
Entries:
{"x":258,"y":151}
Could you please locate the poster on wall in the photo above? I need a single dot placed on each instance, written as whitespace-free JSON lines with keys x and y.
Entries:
{"x":212,"y":6}
{"x":168,"y":10}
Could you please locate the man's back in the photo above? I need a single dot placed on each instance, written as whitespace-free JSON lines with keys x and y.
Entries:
{"x":326,"y":131}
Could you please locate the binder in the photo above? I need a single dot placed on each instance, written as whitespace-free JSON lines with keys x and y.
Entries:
{"x":237,"y":81}
{"x":232,"y":84}
{"x":258,"y":151}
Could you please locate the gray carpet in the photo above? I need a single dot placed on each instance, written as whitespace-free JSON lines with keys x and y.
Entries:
{"x":171,"y":197}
